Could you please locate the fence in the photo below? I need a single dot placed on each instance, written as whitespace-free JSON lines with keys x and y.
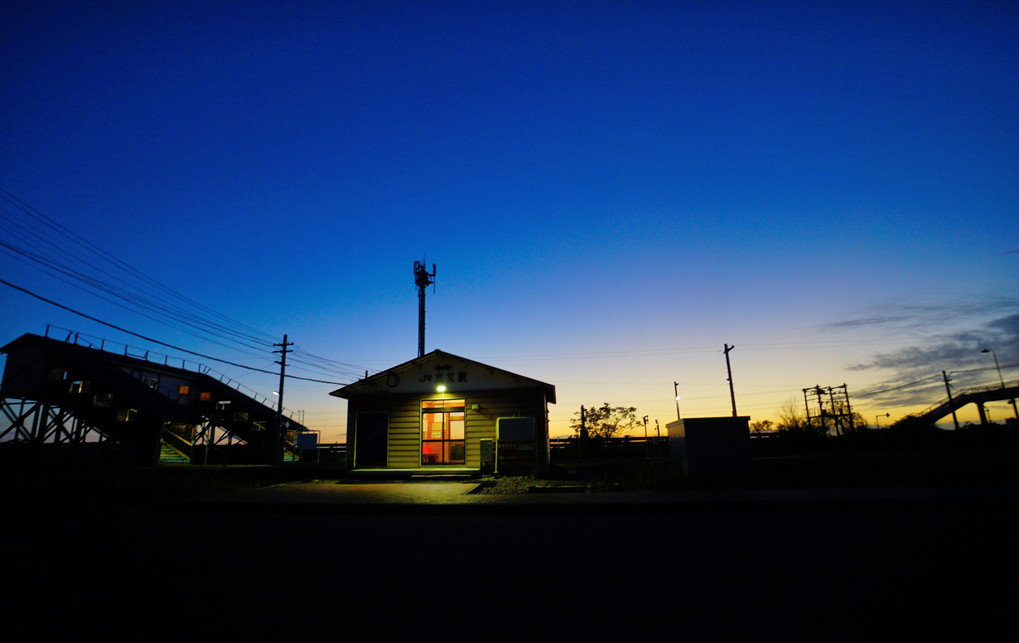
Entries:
{"x":569,"y":449}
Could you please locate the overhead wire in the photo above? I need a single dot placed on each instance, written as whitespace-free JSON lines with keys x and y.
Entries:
{"x":130,"y":289}
{"x":126,"y":268}
{"x":129,"y":285}
{"x":156,"y":341}
{"x":934,"y":377}
{"x":149,"y":312}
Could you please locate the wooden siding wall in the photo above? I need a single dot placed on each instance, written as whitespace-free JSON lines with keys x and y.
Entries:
{"x":481,"y":424}
{"x":404,"y":433}
{"x":404,"y":443}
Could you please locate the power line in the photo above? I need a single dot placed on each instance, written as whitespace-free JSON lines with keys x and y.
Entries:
{"x":130,"y":285}
{"x":932,"y":377}
{"x":117,"y":282}
{"x":156,"y":341}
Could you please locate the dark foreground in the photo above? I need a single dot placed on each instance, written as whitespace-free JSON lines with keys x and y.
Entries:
{"x":823,"y":568}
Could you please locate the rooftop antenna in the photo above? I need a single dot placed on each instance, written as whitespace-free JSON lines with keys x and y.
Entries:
{"x":422,"y":279}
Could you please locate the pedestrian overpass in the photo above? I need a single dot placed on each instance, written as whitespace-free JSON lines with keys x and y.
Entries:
{"x":72,"y":396}
{"x":978,"y":396}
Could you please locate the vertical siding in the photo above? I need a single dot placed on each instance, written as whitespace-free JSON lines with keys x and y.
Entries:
{"x":404,"y":443}
{"x":403,"y":439}
{"x":404,"y":433}
{"x":504,"y":404}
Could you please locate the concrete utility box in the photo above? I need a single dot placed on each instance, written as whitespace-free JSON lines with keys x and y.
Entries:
{"x":716,"y":447}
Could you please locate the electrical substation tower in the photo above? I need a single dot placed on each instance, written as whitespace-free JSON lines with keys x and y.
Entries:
{"x":835,"y":407}
{"x":422,"y":279}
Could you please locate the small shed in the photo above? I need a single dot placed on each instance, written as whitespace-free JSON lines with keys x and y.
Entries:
{"x":444,"y":413}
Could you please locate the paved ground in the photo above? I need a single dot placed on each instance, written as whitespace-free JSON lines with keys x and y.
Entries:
{"x":431,"y":560}
{"x":473,"y":493}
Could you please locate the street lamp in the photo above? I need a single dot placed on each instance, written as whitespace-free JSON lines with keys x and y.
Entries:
{"x":675,"y":386}
{"x":647,"y":454}
{"x":1001,"y":379}
{"x":995,"y":355}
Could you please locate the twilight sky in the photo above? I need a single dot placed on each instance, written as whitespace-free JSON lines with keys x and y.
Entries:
{"x":611,"y":191}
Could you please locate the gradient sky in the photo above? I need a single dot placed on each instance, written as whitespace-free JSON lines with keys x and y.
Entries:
{"x":611,"y":190}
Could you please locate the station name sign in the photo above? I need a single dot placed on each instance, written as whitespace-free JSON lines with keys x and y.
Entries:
{"x":444,"y":375}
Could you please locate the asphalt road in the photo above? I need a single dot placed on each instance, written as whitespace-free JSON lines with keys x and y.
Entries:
{"x":820,"y":566}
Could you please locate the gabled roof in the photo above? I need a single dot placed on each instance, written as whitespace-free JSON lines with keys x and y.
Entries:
{"x":425,"y":373}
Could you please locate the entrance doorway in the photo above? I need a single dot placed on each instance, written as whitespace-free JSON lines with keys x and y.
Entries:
{"x":371,"y":440}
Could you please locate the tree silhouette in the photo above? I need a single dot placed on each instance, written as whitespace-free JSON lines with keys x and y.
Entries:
{"x":606,"y":421}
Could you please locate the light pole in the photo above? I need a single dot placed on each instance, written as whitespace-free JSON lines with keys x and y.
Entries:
{"x":728,"y":369}
{"x":877,"y":419}
{"x":995,"y":356}
{"x":675,"y":386}
{"x":1001,"y":379}
{"x":647,"y":453}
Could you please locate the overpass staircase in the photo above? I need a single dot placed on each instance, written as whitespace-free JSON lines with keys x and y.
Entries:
{"x":979,"y":396}
{"x":64,"y":394}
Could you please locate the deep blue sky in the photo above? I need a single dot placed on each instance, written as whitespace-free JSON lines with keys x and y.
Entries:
{"x":611,"y":190}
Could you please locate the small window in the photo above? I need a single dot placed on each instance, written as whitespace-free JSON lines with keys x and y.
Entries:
{"x":127,"y":415}
{"x":102,"y":400}
{"x":223,"y":405}
{"x":80,"y":386}
{"x":205,"y":397}
{"x":57,"y":375}
{"x":240,"y":416}
{"x":183,"y":389}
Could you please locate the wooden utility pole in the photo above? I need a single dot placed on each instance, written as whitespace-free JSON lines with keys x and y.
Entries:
{"x":277,"y":443}
{"x":732,"y":393}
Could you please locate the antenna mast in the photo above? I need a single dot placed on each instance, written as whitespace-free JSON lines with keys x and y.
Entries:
{"x":422,"y":279}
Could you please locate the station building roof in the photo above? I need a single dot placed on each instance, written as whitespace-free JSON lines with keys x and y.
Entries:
{"x":424,"y":374}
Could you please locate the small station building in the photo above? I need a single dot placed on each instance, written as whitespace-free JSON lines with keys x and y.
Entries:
{"x":444,"y":413}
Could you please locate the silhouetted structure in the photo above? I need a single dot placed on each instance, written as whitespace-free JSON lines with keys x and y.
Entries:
{"x":712,"y":447}
{"x":952,"y":403}
{"x":828,"y":406}
{"x":422,"y":279}
{"x":61,"y":395}
{"x":445,"y":413}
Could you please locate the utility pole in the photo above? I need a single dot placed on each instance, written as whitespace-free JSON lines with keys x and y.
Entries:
{"x":277,"y":446}
{"x":728,"y":368}
{"x":675,"y":387}
{"x":422,"y":279}
{"x":949,"y":389}
{"x":647,"y":454}
{"x":583,"y":432}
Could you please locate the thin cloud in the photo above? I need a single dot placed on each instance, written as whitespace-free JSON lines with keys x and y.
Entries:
{"x":916,"y":368}
{"x":915,"y":316}
{"x":875,"y":320}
